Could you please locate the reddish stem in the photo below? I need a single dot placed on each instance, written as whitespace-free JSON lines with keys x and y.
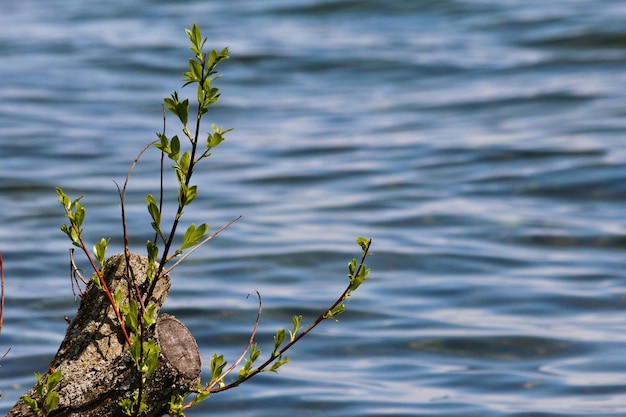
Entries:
{"x":319,"y":319}
{"x":105,"y":287}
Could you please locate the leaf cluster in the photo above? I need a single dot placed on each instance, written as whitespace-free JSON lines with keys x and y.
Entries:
{"x":47,"y":398}
{"x":75,"y":213}
{"x":184,"y":158}
{"x":357,"y":274}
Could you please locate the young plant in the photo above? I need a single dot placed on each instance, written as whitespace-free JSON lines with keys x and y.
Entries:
{"x":136,"y":315}
{"x":47,"y":398}
{"x":134,"y":309}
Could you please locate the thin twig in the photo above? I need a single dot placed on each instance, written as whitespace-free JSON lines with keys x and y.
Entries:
{"x":212,"y":236}
{"x":319,"y":319}
{"x":122,"y":194}
{"x":161,"y":180}
{"x":188,"y":174}
{"x":224,"y":374}
{"x":250,"y":341}
{"x":103,"y":283}
{"x":141,"y":380}
{"x":133,"y":290}
{"x":75,"y":274}
{"x":5,"y":354}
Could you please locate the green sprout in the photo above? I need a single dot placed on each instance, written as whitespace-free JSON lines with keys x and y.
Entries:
{"x":47,"y":398}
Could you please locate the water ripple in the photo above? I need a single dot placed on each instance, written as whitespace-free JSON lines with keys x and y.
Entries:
{"x":479,"y":143}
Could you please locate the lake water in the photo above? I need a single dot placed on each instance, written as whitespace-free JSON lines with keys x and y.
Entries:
{"x":479,"y":143}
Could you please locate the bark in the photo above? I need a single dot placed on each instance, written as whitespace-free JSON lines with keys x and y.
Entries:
{"x":97,"y":369}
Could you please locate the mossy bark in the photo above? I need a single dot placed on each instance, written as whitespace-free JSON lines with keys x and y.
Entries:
{"x":94,"y":359}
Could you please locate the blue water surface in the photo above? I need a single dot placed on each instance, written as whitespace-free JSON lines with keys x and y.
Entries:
{"x":480,"y":143}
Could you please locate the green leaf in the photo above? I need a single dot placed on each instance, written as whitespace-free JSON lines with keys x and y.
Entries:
{"x":180,"y":109}
{"x":215,"y":58}
{"x":53,"y":380}
{"x":247,"y":368}
{"x":335,"y":311}
{"x":187,"y":194}
{"x":164,"y":143}
{"x":142,"y":405}
{"x":244,"y":372}
{"x":183,"y":111}
{"x":296,"y":326}
{"x":363,"y":242}
{"x":197,"y":43}
{"x":200,"y":396}
{"x":217,"y":366}
{"x":351,"y":267}
{"x":65,"y":229}
{"x":149,"y":316}
{"x":51,"y":401}
{"x":174,"y":148}
{"x":135,"y":351}
{"x":279,"y":362}
{"x":99,"y":251}
{"x":170,"y":148}
{"x":155,"y":214}
{"x":151,"y":357}
{"x":128,"y":406}
{"x":171,"y":102}
{"x":360,"y":276}
{"x":131,"y":317}
{"x":75,"y":213}
{"x":75,"y":236}
{"x":176,"y":406}
{"x":96,"y":281}
{"x":63,"y":199}
{"x":181,"y":176}
{"x":213,"y":140}
{"x":212,"y":59}
{"x":31,"y":403}
{"x":153,"y":252}
{"x":118,"y":298}
{"x":192,"y":192}
{"x":279,"y":338}
{"x":40,"y":386}
{"x":254,"y":352}
{"x":184,"y":162}
{"x":79,"y":214}
{"x":195,"y":71}
{"x":217,"y":137}
{"x":193,"y":235}
{"x":357,"y":280}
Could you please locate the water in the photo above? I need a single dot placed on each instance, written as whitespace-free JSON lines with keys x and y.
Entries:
{"x":479,"y":143}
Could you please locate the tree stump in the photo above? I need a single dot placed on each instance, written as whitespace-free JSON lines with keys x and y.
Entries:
{"x":96,"y":366}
